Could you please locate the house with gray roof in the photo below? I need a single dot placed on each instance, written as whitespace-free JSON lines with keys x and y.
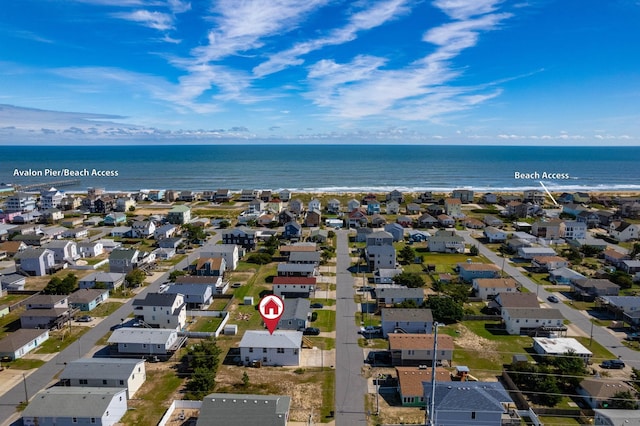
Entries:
{"x":564,"y":276}
{"x":22,"y":341}
{"x":36,"y":261}
{"x":87,"y":299}
{"x":296,"y":315}
{"x":196,"y":296}
{"x":110,"y":280}
{"x":390,"y":294}
{"x":242,"y":236}
{"x":468,"y":403}
{"x":244,"y":409}
{"x":63,"y":250}
{"x":446,"y":242}
{"x":12,"y":282}
{"x":146,"y":341}
{"x":162,"y":310}
{"x":280,"y":348}
{"x":229,"y":252}
{"x":406,"y":320}
{"x":590,"y":288}
{"x":310,"y":257}
{"x":297,"y":270}
{"x":124,"y":260}
{"x":70,"y":406}
{"x":129,"y":373}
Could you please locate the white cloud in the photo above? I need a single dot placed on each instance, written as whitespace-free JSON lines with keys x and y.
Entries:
{"x":422,"y":90}
{"x":156,"y":20}
{"x":241,"y":25}
{"x":364,"y":20}
{"x":464,"y":9}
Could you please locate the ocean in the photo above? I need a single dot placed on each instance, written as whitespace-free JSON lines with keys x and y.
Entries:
{"x":324,"y":168}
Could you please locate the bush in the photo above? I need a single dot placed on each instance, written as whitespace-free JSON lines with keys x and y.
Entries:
{"x":259,"y":258}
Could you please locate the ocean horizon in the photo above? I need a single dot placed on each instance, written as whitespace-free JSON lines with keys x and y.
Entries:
{"x":325,"y":168}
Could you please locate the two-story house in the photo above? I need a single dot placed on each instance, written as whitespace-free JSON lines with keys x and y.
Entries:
{"x":162,"y":310}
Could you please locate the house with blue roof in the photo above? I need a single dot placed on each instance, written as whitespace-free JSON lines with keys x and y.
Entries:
{"x":469,"y":403}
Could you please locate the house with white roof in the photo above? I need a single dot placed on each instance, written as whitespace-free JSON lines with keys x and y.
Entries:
{"x":280,"y":348}
{"x":389,"y":294}
{"x":529,"y":320}
{"x":129,"y":373}
{"x":69,"y":406}
{"x":63,"y":250}
{"x":110,"y":280}
{"x":557,"y":346}
{"x":488,"y":288}
{"x":146,"y":341}
{"x":531,"y":252}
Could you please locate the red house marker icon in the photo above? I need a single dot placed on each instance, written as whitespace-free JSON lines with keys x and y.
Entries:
{"x":271,"y":308}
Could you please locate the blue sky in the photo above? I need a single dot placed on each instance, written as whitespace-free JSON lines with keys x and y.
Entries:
{"x":440,"y":71}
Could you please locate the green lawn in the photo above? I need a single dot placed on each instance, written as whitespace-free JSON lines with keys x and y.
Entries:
{"x":373,"y":343}
{"x":60,"y":339}
{"x":24,"y":364}
{"x":328,"y":394}
{"x":206,"y":324}
{"x":445,"y":263}
{"x":600,"y":353}
{"x":325,"y":302}
{"x":105,"y":309}
{"x":326,"y":320}
{"x":557,"y":421}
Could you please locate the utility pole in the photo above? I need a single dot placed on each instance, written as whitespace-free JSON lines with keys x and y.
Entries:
{"x":433,"y":375}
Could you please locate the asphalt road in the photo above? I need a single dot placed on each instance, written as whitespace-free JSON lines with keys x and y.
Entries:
{"x":44,"y":376}
{"x":578,"y":318}
{"x":351,"y":387}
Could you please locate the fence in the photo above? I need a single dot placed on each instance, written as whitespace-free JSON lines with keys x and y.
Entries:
{"x":178,"y":405}
{"x":214,"y":314}
{"x":23,"y":302}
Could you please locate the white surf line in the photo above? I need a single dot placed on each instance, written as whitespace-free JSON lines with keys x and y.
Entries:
{"x":548,"y":193}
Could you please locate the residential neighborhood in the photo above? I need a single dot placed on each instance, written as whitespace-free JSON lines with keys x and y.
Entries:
{"x":162,"y":286}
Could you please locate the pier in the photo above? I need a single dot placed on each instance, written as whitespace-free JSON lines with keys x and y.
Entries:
{"x":47,"y":185}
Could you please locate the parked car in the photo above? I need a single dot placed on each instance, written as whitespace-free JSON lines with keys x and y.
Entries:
{"x":633,"y":337}
{"x":553,"y":299}
{"x":365,"y":288}
{"x":85,"y":318}
{"x":613,"y":363}
{"x":311,"y":331}
{"x":317,"y":305}
{"x":236,"y":285}
{"x":371,"y":331}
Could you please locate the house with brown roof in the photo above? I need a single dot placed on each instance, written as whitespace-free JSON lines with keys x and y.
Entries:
{"x":410,"y":381}
{"x":22,"y":341}
{"x":453,"y":207}
{"x":488,"y":288}
{"x":470,"y":271}
{"x":514,"y":300}
{"x":548,"y":263}
{"x":13,"y":247}
{"x":614,"y":257}
{"x":599,"y":392}
{"x":210,"y":267}
{"x":417,"y":349}
{"x":590,"y":288}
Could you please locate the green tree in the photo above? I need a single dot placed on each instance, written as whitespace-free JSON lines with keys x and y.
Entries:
{"x":260,"y":258}
{"x":445,"y":309}
{"x":173,"y":275}
{"x":135,"y":278}
{"x":132,"y":208}
{"x":474,"y":251}
{"x":193,"y":233}
{"x":407,"y":255}
{"x":53,"y":286}
{"x":621,"y":278}
{"x":549,"y":391}
{"x":409,"y":279}
{"x":407,"y":304}
{"x":201,"y":383}
{"x":571,"y":367}
{"x":245,"y":379}
{"x":224,"y":224}
{"x":623,"y":400}
{"x":635,"y":251}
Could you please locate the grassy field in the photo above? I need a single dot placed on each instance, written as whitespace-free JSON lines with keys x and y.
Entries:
{"x":206,"y":324}
{"x":152,"y":399}
{"x":60,"y":339}
{"x":24,"y":364}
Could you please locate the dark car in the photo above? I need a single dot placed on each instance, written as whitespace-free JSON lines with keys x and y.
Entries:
{"x":311,"y":331}
{"x":634,"y":337}
{"x":553,"y":299}
{"x":613,"y":363}
{"x":317,"y":305}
